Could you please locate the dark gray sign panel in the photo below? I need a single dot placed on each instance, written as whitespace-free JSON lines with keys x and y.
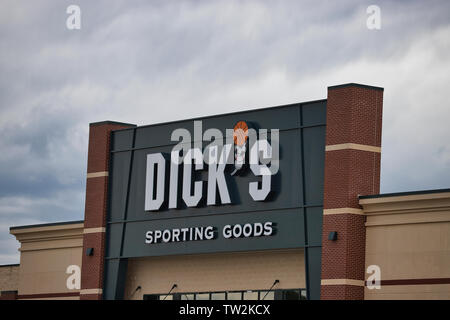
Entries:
{"x":294,"y":205}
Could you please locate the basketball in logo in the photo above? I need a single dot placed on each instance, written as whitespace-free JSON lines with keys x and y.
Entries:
{"x":240,"y":134}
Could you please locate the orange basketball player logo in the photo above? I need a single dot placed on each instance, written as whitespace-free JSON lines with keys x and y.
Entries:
{"x":240,"y":137}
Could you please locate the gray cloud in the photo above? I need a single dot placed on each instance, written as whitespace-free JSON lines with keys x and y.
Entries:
{"x":151,"y":61}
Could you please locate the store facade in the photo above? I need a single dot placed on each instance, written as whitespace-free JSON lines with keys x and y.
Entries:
{"x":260,"y":204}
{"x":209,"y":227}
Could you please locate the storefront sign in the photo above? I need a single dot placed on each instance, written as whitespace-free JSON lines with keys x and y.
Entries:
{"x":214,"y":158}
{"x":235,"y":182}
{"x":247,"y":230}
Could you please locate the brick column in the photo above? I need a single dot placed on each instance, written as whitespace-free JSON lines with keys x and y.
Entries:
{"x":352,"y":168}
{"x":95,"y":208}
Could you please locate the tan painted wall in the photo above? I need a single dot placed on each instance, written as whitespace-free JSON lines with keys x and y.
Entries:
{"x":9,"y":278}
{"x":215,"y":272}
{"x":45,"y":254}
{"x":409,"y":238}
{"x":44,"y":271}
{"x":411,"y":292}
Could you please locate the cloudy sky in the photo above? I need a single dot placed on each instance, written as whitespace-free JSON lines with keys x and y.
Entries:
{"x":146,"y":62}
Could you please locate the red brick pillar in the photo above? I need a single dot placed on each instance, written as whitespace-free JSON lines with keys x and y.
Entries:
{"x":352,"y":168}
{"x":95,"y":208}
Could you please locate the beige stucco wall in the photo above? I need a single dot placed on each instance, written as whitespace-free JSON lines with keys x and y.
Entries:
{"x":9,"y":278}
{"x":408,"y":237}
{"x":44,"y":271}
{"x":45,"y":254}
{"x":215,"y":272}
{"x":410,"y":292}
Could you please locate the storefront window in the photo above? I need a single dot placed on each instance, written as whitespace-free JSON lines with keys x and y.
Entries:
{"x":250,"y":295}
{"x":303,"y":295}
{"x":266,"y":295}
{"x":294,"y":294}
{"x":234,"y":296}
{"x":202,"y":296}
{"x":289,"y":294}
{"x":218,"y":296}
